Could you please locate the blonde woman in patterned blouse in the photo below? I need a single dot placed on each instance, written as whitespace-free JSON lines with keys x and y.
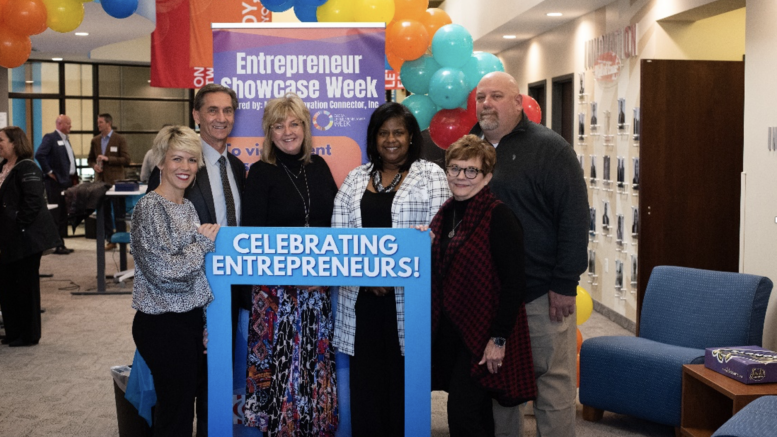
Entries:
{"x":171,"y":290}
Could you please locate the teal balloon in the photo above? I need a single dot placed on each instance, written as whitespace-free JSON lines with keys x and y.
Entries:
{"x":448,"y":88}
{"x":416,"y":74}
{"x":452,"y":46}
{"x":479,"y":65}
{"x":422,"y":107}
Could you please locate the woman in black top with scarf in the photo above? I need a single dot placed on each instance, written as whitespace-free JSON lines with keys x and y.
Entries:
{"x":26,"y":230}
{"x":480,"y":337}
{"x":290,"y":385}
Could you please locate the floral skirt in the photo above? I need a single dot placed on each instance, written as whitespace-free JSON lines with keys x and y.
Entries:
{"x":291,"y":387}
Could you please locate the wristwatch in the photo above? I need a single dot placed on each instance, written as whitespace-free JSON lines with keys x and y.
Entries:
{"x":499,"y":341}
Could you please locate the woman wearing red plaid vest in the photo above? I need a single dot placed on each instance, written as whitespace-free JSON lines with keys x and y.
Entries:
{"x":480,"y":338}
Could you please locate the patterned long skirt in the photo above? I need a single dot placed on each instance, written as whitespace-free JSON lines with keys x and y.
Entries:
{"x":291,"y":387}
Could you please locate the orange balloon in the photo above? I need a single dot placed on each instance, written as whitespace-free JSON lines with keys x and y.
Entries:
{"x":14,"y":48}
{"x":407,"y":39}
{"x":409,"y":9}
{"x":579,"y":340}
{"x":25,"y":17}
{"x":433,"y":19}
{"x":395,"y":62}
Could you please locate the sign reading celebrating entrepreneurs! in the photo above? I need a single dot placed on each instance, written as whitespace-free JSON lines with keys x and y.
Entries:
{"x":322,"y":257}
{"x":337,"y":70}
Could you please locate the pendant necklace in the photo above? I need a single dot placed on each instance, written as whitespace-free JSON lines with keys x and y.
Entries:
{"x":376,"y":182}
{"x":452,"y":233}
{"x":306,"y":206}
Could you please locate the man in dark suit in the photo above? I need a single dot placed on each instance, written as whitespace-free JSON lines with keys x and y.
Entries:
{"x":56,"y":159}
{"x":108,"y":155}
{"x":216,"y":192}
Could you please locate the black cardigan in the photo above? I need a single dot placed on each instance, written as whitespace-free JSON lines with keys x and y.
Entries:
{"x":26,"y":226}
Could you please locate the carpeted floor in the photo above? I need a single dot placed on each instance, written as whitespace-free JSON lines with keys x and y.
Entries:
{"x":63,"y":387}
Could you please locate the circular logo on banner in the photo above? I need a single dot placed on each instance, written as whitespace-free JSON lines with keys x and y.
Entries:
{"x":322,"y":120}
{"x":607,"y":67}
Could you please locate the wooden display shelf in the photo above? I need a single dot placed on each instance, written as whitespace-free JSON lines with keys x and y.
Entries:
{"x":709,"y":399}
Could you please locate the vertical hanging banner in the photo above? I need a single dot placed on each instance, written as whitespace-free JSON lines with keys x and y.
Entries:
{"x":336,"y":68}
{"x":376,"y":257}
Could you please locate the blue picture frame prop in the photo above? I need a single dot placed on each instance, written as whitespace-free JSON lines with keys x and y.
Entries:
{"x":322,"y":256}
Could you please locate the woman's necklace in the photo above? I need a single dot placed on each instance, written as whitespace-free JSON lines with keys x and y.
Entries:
{"x":452,"y":233}
{"x":304,"y":205}
{"x":377,"y":182}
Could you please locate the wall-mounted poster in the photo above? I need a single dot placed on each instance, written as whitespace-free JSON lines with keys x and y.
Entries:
{"x":606,"y":214}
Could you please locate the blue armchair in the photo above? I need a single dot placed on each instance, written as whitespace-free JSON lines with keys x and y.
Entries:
{"x":684,"y":311}
{"x":757,"y":419}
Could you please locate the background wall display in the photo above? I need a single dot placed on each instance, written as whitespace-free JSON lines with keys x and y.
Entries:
{"x":593,"y":169}
{"x":621,"y":113}
{"x":606,"y":215}
{"x":635,"y":179}
{"x":619,"y":232}
{"x":606,"y":168}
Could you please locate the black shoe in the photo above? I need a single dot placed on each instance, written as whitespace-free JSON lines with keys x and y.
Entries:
{"x":62,"y":250}
{"x":21,"y":343}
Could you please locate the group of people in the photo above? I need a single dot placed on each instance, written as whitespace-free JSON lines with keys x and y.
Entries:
{"x":508,"y":217}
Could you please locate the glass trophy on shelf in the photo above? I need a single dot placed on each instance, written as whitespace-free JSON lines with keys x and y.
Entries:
{"x":618,"y":274}
{"x":606,"y":169}
{"x":582,"y":83}
{"x":593,"y":169}
{"x":635,"y":221}
{"x":592,"y":222}
{"x":594,"y":117}
{"x":634,"y":270}
{"x":581,"y":126}
{"x":635,"y":179}
{"x":636,"y":125}
{"x":581,"y":159}
{"x":619,"y":231}
{"x":606,"y":214}
{"x":591,"y":262}
{"x":621,"y":113}
{"x":621,"y":172}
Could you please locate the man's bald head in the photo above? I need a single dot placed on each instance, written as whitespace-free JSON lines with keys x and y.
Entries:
{"x":499,"y":105}
{"x":63,"y":124}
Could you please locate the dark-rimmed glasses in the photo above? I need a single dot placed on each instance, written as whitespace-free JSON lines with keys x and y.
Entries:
{"x":469,"y":172}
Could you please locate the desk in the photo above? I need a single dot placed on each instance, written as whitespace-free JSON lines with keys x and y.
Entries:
{"x":710,"y":399}
{"x":100,"y":238}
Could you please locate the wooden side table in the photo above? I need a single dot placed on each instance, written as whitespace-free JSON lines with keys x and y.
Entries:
{"x":709,"y":399}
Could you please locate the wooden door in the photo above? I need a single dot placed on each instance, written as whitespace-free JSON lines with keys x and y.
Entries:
{"x":690,"y":163}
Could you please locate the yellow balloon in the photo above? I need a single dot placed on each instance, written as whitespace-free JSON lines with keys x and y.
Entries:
{"x":64,"y":15}
{"x":377,"y":11}
{"x":585,"y":305}
{"x":335,"y":11}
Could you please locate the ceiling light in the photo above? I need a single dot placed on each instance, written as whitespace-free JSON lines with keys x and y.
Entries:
{"x":509,"y":36}
{"x":553,"y":14}
{"x":82,"y":33}
{"x":56,"y":59}
{"x":29,"y":81}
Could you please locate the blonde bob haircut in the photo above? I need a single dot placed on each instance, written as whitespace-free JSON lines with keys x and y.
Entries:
{"x":472,"y":146}
{"x":178,"y":138}
{"x":276,"y":111}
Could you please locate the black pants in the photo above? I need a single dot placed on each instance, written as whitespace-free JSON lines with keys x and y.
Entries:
{"x":119,"y":212}
{"x":55,"y":197}
{"x":377,"y":371}
{"x":20,"y":298}
{"x":171,"y":345}
{"x":469,"y":405}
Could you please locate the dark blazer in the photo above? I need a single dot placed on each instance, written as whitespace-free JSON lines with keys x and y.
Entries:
{"x":53,"y":157}
{"x":113,"y":170}
{"x":199,"y":192}
{"x":26,"y":226}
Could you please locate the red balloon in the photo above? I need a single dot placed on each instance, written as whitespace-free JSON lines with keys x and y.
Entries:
{"x":14,"y":48}
{"x":532,"y":108}
{"x":472,"y":104}
{"x":25,"y":17}
{"x":448,"y":125}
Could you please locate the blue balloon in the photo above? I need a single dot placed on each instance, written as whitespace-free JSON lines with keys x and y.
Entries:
{"x":452,"y":46}
{"x":315,"y":3}
{"x":386,"y":65}
{"x":278,"y":5}
{"x":422,"y":107}
{"x":479,"y":65}
{"x":448,"y":88}
{"x":305,"y":13}
{"x":417,"y":73}
{"x":120,"y":8}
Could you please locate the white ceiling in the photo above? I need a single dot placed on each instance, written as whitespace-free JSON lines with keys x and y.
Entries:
{"x":104,"y":29}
